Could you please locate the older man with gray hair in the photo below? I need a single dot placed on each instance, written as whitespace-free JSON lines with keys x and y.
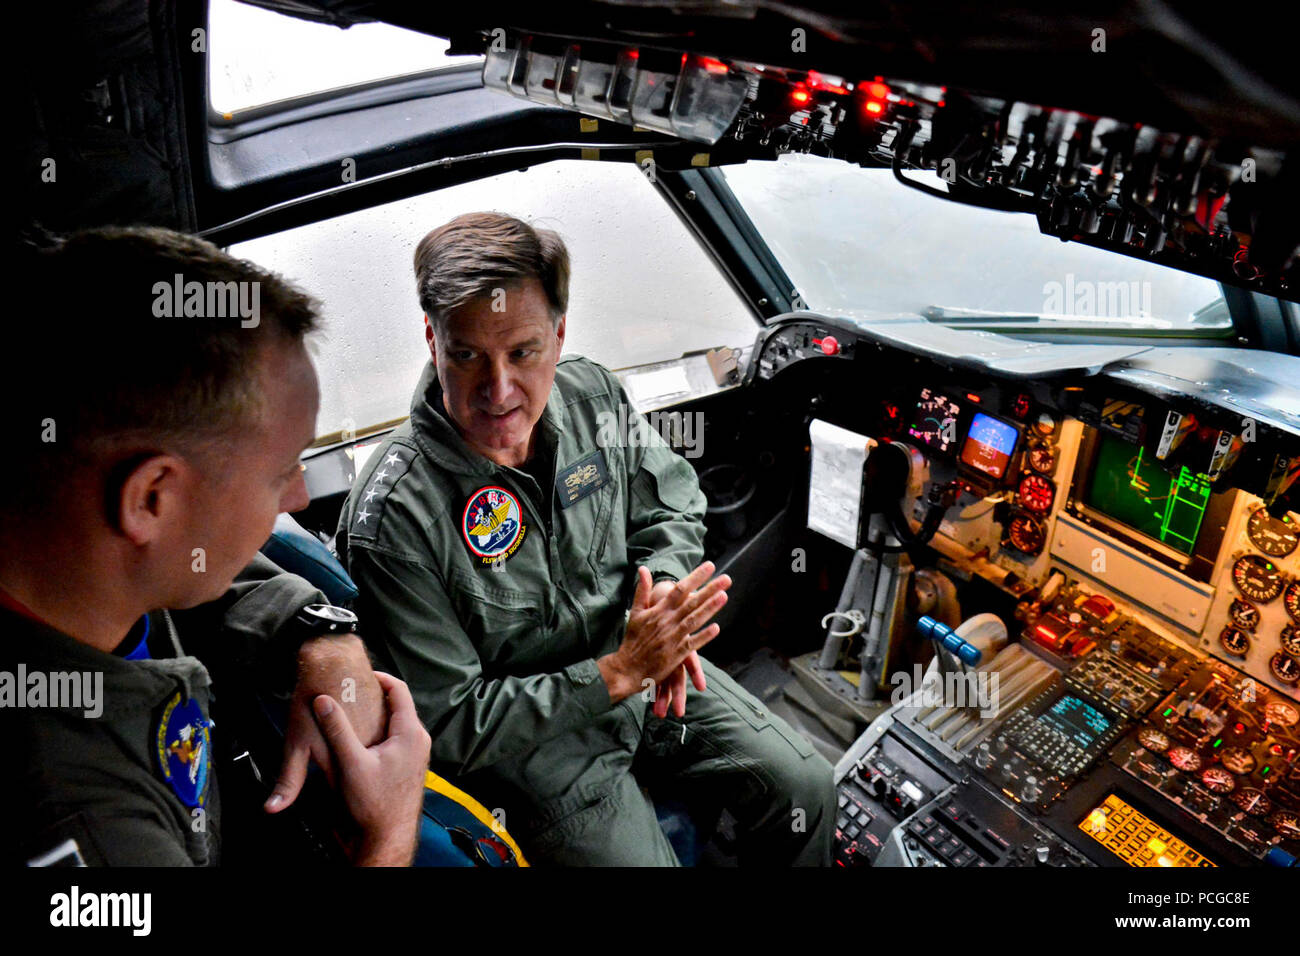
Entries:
{"x":541,"y":588}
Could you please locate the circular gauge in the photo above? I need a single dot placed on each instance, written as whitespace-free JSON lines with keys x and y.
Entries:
{"x":1257,"y":577}
{"x":1235,"y":641}
{"x":1043,"y":459}
{"x":1238,"y":760}
{"x":1286,"y":823}
{"x":1218,"y":780}
{"x":1284,"y":667}
{"x":1290,"y":638}
{"x":1045,"y":424}
{"x":1036,"y":494}
{"x":1153,"y":740}
{"x":1244,"y":614}
{"x":1026,"y":534}
{"x":1184,"y":758}
{"x":1281,"y":713}
{"x":1292,"y":600}
{"x":1276,"y":537}
{"x":1251,"y":800}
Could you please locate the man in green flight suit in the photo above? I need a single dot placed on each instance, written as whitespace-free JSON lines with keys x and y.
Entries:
{"x":167,"y":446}
{"x":526,"y":549}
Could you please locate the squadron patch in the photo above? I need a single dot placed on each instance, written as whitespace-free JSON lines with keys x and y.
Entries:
{"x":493,"y":524}
{"x":183,"y":749}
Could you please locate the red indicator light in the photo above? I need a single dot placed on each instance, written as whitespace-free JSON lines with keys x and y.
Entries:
{"x":712,"y":65}
{"x":800,"y":95}
{"x":874,"y":107}
{"x":877,"y":90}
{"x":972,"y":397}
{"x":632,"y":54}
{"x":818,"y":82}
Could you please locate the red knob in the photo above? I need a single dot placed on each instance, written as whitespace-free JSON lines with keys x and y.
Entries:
{"x":830,"y":346}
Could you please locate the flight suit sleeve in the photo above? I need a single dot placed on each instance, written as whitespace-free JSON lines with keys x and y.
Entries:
{"x":665,"y":506}
{"x":244,"y":625}
{"x":474,"y":719}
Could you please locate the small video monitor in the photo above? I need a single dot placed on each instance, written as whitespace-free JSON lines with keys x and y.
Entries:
{"x":989,"y":445}
{"x":935,"y":422}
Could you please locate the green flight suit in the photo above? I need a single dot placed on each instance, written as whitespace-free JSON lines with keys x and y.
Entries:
{"x":126,"y":785}
{"x":492,"y":598}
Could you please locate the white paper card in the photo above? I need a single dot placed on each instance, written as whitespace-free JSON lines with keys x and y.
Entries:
{"x":649,"y":387}
{"x":835,"y":486}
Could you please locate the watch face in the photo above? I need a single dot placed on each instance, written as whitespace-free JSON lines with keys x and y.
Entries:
{"x":327,"y":615}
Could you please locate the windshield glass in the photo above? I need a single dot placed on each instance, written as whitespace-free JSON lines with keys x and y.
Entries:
{"x":856,"y":242}
{"x":259,"y":57}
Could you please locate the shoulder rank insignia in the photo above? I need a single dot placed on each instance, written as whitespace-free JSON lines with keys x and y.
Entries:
{"x":183,"y":748}
{"x":493,"y":524}
{"x":584,"y":477}
{"x":370,"y":506}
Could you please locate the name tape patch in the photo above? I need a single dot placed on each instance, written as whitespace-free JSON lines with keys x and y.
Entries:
{"x":587,"y":476}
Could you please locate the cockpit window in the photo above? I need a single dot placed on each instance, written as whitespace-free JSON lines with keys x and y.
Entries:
{"x":856,"y":242}
{"x":257,"y":57}
{"x":640,"y":291}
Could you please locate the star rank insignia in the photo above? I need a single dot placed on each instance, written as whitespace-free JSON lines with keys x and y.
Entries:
{"x":370,"y":506}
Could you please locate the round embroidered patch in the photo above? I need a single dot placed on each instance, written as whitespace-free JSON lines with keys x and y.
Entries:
{"x":493,"y":524}
{"x":183,"y":750}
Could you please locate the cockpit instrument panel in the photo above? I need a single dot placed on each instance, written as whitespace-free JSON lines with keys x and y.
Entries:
{"x":934,"y":423}
{"x":990,"y":445}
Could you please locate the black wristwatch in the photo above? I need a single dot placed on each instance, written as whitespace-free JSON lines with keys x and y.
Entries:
{"x":318,"y":620}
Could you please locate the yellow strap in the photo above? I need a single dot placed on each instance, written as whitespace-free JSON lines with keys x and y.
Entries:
{"x":438,"y":785}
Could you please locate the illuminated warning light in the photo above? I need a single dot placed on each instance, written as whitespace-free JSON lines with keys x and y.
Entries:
{"x":877,"y":90}
{"x":1239,"y":727}
{"x":1264,"y":772}
{"x":1097,"y":820}
{"x":712,"y":65}
{"x":818,"y":82}
{"x":632,"y":54}
{"x":800,"y":96}
{"x":940,"y":103}
{"x":971,"y":396}
{"x":1217,"y":742}
{"x":1275,"y":750}
{"x":1168,"y":711}
{"x":874,"y":107}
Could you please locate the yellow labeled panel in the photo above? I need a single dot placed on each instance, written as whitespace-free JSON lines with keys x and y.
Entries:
{"x":1137,"y":839}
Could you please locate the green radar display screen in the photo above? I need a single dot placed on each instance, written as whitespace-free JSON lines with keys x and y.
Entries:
{"x":1140,"y":494}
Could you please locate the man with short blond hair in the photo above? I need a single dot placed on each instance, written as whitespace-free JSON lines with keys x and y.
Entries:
{"x":154,"y":452}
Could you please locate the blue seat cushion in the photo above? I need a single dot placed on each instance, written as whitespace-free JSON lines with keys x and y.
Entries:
{"x":300,"y":552}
